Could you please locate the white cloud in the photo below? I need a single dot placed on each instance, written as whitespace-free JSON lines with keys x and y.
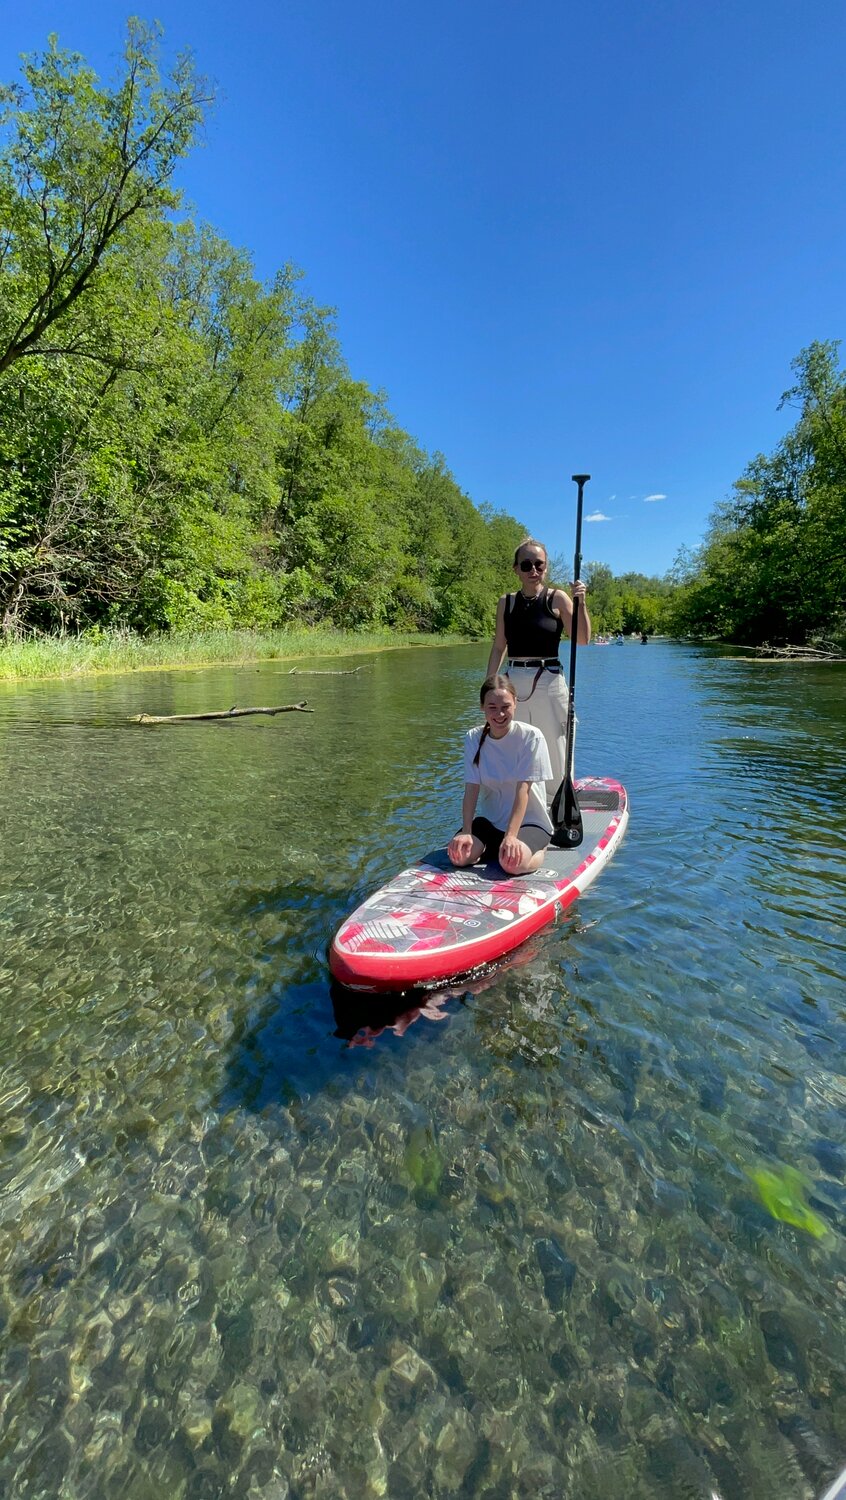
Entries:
{"x":597,"y":516}
{"x":648,"y":498}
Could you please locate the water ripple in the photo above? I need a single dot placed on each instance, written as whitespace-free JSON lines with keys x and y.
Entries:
{"x":261,"y":1237}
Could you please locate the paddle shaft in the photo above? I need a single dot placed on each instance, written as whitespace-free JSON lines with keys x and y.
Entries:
{"x":581,"y":480}
{"x":565,"y":807}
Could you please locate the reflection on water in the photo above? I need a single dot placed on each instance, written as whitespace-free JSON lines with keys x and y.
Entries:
{"x":262,"y":1238}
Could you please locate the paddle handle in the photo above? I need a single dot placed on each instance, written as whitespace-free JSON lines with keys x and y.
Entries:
{"x":581,"y":480}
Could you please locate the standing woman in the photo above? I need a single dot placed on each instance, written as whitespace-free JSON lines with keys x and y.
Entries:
{"x":529,"y":626}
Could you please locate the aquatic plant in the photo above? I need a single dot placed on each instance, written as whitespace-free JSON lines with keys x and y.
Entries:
{"x":423,"y":1162}
{"x":782,"y":1193}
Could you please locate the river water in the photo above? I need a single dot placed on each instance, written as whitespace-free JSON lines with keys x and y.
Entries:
{"x":576,"y":1230}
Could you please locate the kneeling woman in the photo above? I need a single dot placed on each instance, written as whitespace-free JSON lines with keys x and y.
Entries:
{"x":505,"y":767}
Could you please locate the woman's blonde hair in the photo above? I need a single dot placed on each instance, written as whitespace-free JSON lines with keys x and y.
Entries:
{"x":530,"y":541}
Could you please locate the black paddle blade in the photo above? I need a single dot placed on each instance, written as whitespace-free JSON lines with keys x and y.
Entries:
{"x":567,"y":817}
{"x":568,"y":838}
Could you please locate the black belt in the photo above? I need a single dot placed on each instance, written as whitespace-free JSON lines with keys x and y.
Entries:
{"x":542,"y":664}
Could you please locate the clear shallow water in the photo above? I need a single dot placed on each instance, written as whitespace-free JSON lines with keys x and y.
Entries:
{"x":259,"y":1240}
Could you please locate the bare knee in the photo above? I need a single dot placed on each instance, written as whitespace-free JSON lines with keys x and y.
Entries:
{"x":523,"y":862}
{"x":514,"y":860}
{"x":464,"y":850}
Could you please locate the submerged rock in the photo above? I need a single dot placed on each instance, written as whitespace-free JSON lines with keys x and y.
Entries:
{"x":782,"y":1349}
{"x":455,"y":1449}
{"x":831,"y":1157}
{"x":408,"y":1377}
{"x":678,"y":1469}
{"x":557,"y":1270}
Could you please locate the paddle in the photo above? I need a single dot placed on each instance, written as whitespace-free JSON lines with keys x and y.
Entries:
{"x":565,"y":812}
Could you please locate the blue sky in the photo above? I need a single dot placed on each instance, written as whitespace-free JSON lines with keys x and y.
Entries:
{"x":559,"y":236}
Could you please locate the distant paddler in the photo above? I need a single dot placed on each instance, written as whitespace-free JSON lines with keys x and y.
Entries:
{"x":529,"y":627}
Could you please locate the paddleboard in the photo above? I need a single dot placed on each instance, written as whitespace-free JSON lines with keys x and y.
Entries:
{"x":837,"y":1491}
{"x":433,"y":921}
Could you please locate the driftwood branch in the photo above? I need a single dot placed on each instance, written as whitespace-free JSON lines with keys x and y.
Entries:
{"x":323,"y":672}
{"x":821,"y":652}
{"x":225,"y":713}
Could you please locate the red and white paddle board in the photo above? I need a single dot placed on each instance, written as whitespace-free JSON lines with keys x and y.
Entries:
{"x":433,"y":922}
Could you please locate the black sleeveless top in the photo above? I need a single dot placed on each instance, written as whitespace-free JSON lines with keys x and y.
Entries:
{"x":531,"y":629}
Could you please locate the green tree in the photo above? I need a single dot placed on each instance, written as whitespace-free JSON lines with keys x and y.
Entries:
{"x":773,"y":564}
{"x":83,"y":163}
{"x":604,"y":600}
{"x":179,"y":443}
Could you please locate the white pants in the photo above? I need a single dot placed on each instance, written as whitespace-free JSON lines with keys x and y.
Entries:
{"x":546,"y":708}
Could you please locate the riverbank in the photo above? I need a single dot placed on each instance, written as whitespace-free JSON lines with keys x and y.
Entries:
{"x":124,"y":651}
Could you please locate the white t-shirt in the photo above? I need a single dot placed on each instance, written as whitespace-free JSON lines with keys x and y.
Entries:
{"x":520,"y":755}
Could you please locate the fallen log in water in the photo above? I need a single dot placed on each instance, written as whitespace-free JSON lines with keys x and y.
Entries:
{"x":323,"y":672}
{"x":796,"y":653}
{"x":224,"y":713}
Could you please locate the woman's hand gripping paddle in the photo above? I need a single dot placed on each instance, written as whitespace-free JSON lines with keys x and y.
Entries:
{"x":565,"y":811}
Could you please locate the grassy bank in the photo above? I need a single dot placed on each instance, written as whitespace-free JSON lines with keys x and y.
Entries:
{"x":123,"y":651}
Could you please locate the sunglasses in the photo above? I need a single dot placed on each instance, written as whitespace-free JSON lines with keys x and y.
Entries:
{"x":530,"y":564}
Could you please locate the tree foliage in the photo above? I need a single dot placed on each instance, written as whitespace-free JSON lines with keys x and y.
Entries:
{"x":773,"y":564}
{"x":83,"y":164}
{"x":632,"y":603}
{"x":179,"y":444}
